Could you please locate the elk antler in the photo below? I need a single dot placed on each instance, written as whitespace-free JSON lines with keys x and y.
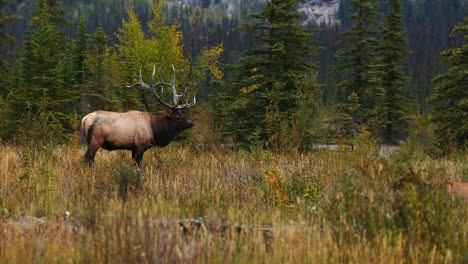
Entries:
{"x":176,"y":96}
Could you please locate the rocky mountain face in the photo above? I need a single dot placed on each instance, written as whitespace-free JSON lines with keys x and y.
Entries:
{"x":318,"y":11}
{"x":315,"y":11}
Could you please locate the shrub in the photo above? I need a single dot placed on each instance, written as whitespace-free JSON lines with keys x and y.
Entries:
{"x":127,"y":178}
{"x":393,"y":201}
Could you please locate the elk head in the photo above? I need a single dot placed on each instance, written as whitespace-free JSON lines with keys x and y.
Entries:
{"x":173,"y":122}
{"x":179,"y":121}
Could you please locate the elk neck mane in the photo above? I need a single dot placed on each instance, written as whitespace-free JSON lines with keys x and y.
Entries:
{"x":163,"y":133}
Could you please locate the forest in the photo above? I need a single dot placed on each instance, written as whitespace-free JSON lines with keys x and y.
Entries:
{"x":204,"y":38}
{"x":340,"y":141}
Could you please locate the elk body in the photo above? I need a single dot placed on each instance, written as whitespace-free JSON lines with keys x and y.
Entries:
{"x":136,"y":131}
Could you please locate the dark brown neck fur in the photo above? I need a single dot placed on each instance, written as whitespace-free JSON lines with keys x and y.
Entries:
{"x":163,"y":131}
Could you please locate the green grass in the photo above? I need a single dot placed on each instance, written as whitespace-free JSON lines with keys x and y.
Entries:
{"x":255,"y":207}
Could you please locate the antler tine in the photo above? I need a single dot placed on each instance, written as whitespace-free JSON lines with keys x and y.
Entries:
{"x":185,"y":90}
{"x":173,"y":75}
{"x":187,"y":105}
{"x":152,"y":75}
{"x":140,"y":83}
{"x":174,"y":90}
{"x":171,"y":85}
{"x":151,"y":88}
{"x":159,"y":74}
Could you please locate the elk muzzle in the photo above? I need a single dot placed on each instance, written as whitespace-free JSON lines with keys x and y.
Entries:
{"x":189,"y":124}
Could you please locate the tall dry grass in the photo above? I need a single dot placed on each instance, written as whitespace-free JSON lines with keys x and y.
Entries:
{"x":198,"y":204}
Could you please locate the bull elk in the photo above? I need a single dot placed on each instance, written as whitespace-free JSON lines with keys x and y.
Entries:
{"x":136,"y":131}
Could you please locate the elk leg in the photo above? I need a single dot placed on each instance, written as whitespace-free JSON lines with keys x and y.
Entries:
{"x":93,"y":147}
{"x":137,"y":156}
{"x":87,"y":157}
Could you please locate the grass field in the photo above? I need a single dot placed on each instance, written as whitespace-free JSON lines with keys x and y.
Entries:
{"x":197,"y":204}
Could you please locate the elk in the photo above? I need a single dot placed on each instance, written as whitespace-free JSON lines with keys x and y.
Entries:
{"x":136,"y":131}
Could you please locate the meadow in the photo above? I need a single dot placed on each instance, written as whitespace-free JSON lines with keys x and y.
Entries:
{"x":195,"y":203}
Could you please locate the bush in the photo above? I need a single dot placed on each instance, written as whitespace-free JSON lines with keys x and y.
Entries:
{"x":393,"y":201}
{"x":424,"y":211}
{"x":128,"y":179}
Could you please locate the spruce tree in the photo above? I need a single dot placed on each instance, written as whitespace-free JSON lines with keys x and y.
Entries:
{"x":450,"y":99}
{"x":81,"y":55}
{"x":393,"y":52}
{"x":358,"y":61}
{"x":132,"y":42}
{"x":57,"y":14}
{"x":82,"y":52}
{"x":101,"y":85}
{"x":260,"y":96}
{"x":42,"y":84}
{"x":4,"y":38}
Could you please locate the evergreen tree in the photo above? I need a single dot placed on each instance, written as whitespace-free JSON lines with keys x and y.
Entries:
{"x":4,"y":38}
{"x":131,"y":49}
{"x":81,"y":55}
{"x":450,"y":99}
{"x":42,"y":84}
{"x":82,"y":52}
{"x":359,"y":62}
{"x":393,"y":52}
{"x":57,"y":14}
{"x":102,"y":83}
{"x":258,"y":101}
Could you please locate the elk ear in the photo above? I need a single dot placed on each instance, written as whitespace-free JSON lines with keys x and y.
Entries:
{"x":169,"y":113}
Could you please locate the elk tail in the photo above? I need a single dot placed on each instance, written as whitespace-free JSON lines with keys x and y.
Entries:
{"x":86,"y":128}
{"x":82,"y":136}
{"x":90,"y":133}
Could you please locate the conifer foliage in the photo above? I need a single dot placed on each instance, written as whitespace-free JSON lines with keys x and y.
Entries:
{"x":450,"y":99}
{"x":395,"y":83}
{"x":43,"y":85}
{"x":4,"y":38}
{"x":99,"y":90}
{"x":57,"y":80}
{"x":259,"y":99}
{"x":361,"y":92}
{"x":81,"y":48}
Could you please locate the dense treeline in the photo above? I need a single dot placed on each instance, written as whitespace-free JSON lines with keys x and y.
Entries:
{"x":428,"y":24}
{"x":373,"y":67}
{"x":56,"y":79}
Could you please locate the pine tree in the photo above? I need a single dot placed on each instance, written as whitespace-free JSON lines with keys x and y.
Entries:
{"x":450,"y":99}
{"x":42,"y":84}
{"x":393,"y":52}
{"x":259,"y":99}
{"x":360,"y":64}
